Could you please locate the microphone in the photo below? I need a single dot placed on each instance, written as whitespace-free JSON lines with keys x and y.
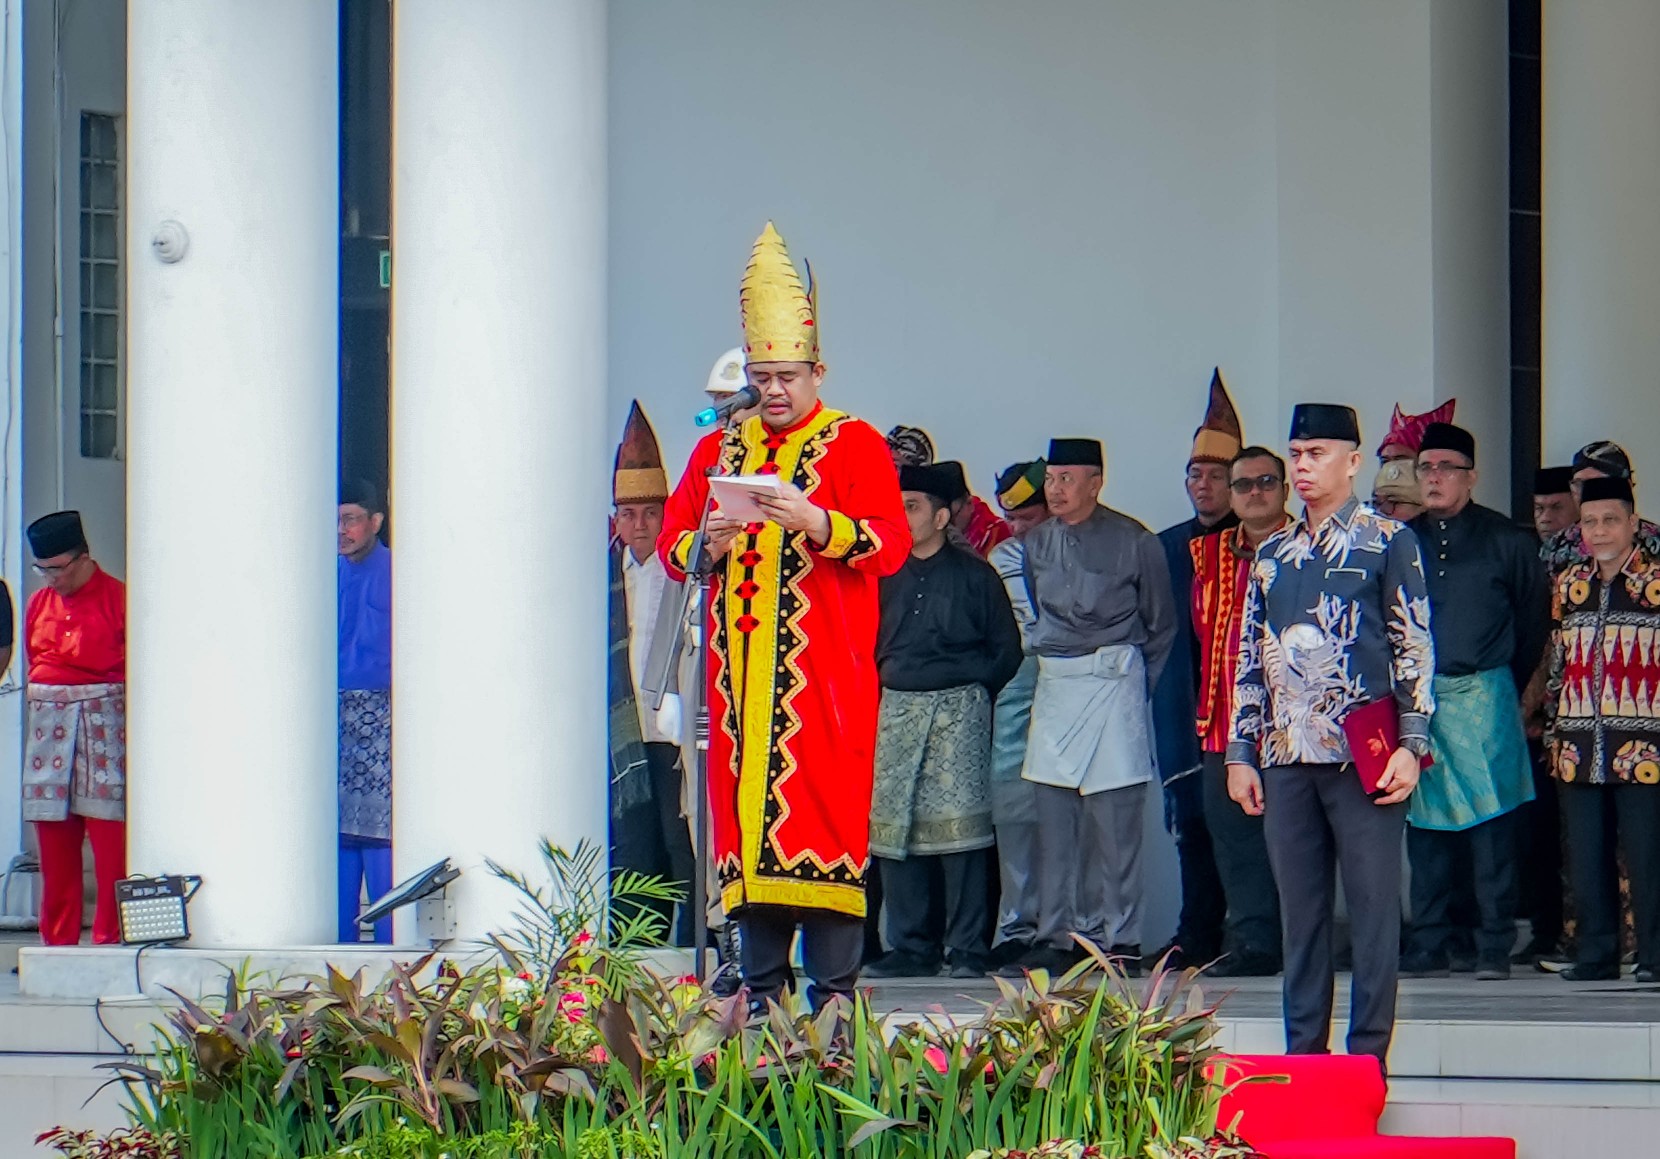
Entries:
{"x":727,"y":407}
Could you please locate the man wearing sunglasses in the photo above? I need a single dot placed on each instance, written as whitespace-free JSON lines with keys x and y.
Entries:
{"x":1221,"y":573}
{"x":75,"y":766}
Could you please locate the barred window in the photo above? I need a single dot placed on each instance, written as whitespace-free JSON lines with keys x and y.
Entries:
{"x":101,"y":291}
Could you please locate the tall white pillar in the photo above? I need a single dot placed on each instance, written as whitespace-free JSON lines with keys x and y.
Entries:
{"x":501,"y":461}
{"x":233,"y":115}
{"x":1601,"y":190}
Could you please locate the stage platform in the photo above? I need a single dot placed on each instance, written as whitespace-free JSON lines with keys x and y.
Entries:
{"x":1557,"y":1065}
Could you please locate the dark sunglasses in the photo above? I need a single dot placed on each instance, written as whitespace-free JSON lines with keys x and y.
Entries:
{"x":1260,"y":483}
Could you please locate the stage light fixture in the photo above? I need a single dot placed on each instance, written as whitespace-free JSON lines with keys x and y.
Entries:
{"x":155,"y":909}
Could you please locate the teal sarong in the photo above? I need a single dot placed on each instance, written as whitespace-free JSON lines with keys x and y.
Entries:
{"x":1481,"y":768}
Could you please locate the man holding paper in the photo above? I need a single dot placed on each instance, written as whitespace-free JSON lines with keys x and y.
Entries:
{"x":1336,"y":623}
{"x":793,"y":690}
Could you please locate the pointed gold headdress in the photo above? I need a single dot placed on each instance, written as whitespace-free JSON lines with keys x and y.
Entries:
{"x":780,"y":316}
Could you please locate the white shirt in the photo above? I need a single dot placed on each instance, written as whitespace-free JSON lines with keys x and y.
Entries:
{"x":643,"y":585}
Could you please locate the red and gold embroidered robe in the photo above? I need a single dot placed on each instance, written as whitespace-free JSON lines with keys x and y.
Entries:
{"x":793,"y":692}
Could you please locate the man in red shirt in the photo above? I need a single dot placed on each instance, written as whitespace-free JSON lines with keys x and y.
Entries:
{"x":75,"y":762}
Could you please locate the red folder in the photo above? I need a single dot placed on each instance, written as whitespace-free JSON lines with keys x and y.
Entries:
{"x":1373,"y":731}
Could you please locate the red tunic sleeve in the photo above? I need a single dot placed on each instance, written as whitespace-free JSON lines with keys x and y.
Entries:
{"x":868,"y":530}
{"x":683,"y":513}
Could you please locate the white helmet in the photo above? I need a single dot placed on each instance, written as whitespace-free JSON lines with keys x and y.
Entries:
{"x":727,"y":377}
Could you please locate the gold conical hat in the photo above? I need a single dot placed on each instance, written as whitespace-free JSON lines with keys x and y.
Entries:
{"x":780,"y":316}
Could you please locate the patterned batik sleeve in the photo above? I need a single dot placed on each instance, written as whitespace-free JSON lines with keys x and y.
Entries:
{"x":1250,"y":690}
{"x":1557,"y":656}
{"x":1411,"y":647}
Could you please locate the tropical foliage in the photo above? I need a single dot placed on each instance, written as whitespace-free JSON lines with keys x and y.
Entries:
{"x":564,"y":1046}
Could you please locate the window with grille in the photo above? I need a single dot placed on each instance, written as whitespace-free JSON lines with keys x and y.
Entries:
{"x":100,"y":286}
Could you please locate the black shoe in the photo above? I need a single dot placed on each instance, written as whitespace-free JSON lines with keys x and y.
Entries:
{"x":1056,"y":961}
{"x":1245,"y":965}
{"x":1493,"y":971}
{"x":1172,"y":954}
{"x":1585,"y":973}
{"x":1004,"y":953}
{"x":1536,"y":951}
{"x":899,"y":964}
{"x":1422,"y":966}
{"x":1462,"y":963}
{"x":967,"y":966}
{"x":1646,"y":975}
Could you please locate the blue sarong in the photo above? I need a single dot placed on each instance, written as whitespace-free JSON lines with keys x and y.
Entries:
{"x":1481,"y":767}
{"x":1013,"y":798}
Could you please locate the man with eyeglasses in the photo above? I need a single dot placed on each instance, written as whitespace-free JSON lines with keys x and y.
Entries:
{"x":75,"y":759}
{"x":1599,"y":460}
{"x":363,"y":576}
{"x":1221,"y":572}
{"x":1198,"y":939}
{"x":1489,"y":615}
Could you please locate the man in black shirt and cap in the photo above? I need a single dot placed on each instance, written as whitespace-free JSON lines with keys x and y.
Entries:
{"x":1490,"y":612}
{"x":946,"y":644}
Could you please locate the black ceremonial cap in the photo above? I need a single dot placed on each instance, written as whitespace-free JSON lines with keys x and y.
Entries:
{"x":57,"y":534}
{"x":952,"y":471}
{"x":1324,"y":420}
{"x":1021,"y":485}
{"x":1603,"y":487}
{"x":1553,"y":481}
{"x":930,"y":479}
{"x":1446,"y":437}
{"x":1075,"y":453}
{"x":361,"y":493}
{"x":1609,"y":458}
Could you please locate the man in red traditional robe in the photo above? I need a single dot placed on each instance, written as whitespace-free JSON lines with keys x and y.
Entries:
{"x":793,"y":692}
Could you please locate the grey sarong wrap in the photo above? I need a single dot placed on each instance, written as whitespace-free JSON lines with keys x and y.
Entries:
{"x":75,"y":760}
{"x":933,"y":773}
{"x":1092,"y":724}
{"x":366,"y":763}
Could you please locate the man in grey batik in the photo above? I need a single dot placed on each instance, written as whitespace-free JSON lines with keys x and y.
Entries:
{"x":1336,"y":616}
{"x":1105,"y":624}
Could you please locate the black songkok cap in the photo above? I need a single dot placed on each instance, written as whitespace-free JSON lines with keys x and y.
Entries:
{"x":59,"y":533}
{"x":1604,"y":487}
{"x":1076,"y":453}
{"x":1553,"y":481}
{"x":361,"y":493}
{"x":1446,"y":437}
{"x":1325,"y":420}
{"x":930,"y":479}
{"x":956,"y":478}
{"x":1602,"y":455}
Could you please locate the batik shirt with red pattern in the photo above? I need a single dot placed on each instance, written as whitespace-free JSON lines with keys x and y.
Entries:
{"x":793,"y":691}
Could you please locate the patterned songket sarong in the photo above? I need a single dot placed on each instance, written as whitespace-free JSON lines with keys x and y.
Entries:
{"x":933,"y":773}
{"x":793,"y":689}
{"x":1481,"y":768}
{"x":366,"y":763}
{"x":75,"y":760}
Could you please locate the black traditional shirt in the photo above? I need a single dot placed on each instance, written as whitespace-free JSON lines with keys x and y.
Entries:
{"x":945,"y":622}
{"x":1100,"y":582}
{"x":1489,"y":594}
{"x":1335,"y":617}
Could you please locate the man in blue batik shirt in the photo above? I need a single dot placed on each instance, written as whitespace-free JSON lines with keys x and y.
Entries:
{"x":1336,"y":616}
{"x":364,"y":573}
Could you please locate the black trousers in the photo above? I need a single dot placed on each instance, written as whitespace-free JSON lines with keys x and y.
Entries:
{"x":831,"y":946}
{"x":1241,"y":848}
{"x":653,"y":839}
{"x":1599,"y":819}
{"x":908,"y":887}
{"x":1204,"y":905}
{"x":1439,"y":874}
{"x":1539,"y":825}
{"x":1318,"y":818}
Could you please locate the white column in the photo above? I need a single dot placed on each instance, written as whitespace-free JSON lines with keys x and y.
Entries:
{"x":232,"y":114}
{"x":500,"y":458}
{"x":1601,"y":188}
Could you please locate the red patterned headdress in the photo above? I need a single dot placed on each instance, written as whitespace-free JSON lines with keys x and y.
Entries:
{"x":1408,"y":430}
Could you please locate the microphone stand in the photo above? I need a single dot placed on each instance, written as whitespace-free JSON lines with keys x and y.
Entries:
{"x":693,"y":618}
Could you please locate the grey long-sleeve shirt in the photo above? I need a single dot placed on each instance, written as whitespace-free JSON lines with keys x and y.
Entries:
{"x":1103,"y":581}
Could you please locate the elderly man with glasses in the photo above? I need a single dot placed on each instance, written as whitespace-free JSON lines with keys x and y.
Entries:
{"x":75,"y":766}
{"x":1489,"y":615}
